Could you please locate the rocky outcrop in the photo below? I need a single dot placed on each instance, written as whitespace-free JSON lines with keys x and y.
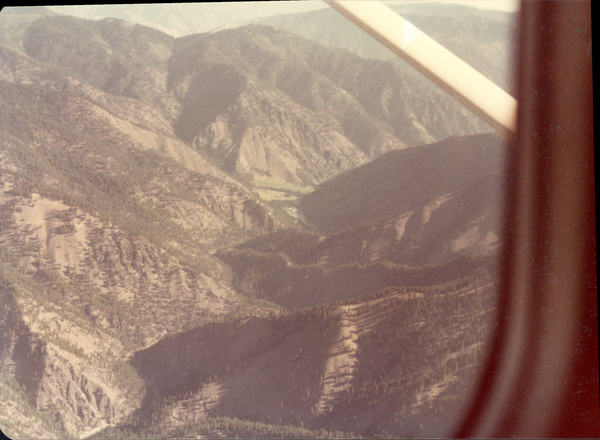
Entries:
{"x":266,"y":103}
{"x":81,"y":396}
{"x":290,"y":145}
{"x":58,"y":383}
{"x":405,"y":181}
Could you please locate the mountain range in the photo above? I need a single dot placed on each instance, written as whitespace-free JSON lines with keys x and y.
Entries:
{"x":488,"y":33}
{"x":238,"y":233}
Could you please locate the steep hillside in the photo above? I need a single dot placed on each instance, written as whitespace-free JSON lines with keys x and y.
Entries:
{"x":421,"y":216}
{"x":156,"y":276}
{"x":282,"y":106}
{"x":323,"y":368}
{"x":98,"y":264}
{"x":405,"y":181}
{"x":107,"y":224}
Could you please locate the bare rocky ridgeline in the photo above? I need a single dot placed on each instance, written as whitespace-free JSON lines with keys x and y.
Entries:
{"x":227,"y":234}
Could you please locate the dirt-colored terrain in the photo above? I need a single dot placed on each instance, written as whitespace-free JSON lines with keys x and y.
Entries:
{"x":239,"y":233}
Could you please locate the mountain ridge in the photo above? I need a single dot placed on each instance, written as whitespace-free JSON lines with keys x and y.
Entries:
{"x":154,"y":196}
{"x":485,"y":151}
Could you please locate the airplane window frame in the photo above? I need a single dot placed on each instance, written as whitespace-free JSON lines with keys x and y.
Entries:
{"x":541,"y":376}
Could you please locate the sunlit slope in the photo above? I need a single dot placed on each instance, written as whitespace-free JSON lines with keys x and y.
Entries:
{"x":140,"y":186}
{"x":88,"y":275}
{"x":267,"y":103}
{"x":106,"y":226}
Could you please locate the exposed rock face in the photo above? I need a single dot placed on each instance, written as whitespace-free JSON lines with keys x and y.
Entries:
{"x":78,"y":394}
{"x":68,"y":387}
{"x":284,"y":149}
{"x":312,"y":110}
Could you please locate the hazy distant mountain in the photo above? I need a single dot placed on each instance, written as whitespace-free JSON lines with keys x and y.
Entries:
{"x":180,"y":19}
{"x":28,"y":10}
{"x":168,"y":269}
{"x":481,"y":38}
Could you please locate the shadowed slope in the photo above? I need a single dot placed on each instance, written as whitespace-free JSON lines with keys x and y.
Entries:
{"x":328,"y":367}
{"x":401,"y":181}
{"x":420,"y":216}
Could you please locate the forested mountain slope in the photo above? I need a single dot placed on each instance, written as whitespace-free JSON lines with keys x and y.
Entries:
{"x":420,"y":216}
{"x":402,"y":181}
{"x":164,"y":251}
{"x":108,"y":221}
{"x":282,"y":106}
